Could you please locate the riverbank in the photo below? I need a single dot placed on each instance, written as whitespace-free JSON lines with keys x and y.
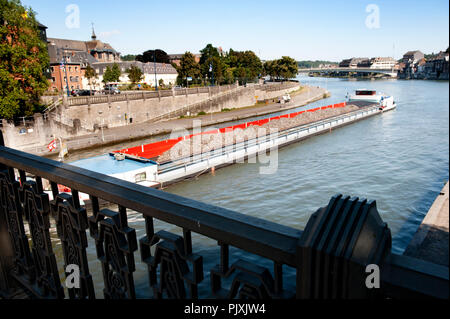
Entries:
{"x":113,"y":136}
{"x":431,"y":239}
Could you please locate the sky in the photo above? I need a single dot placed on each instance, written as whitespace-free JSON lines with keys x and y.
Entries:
{"x":305,"y":30}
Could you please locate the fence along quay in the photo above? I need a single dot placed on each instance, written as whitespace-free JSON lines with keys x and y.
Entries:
{"x":329,"y":256}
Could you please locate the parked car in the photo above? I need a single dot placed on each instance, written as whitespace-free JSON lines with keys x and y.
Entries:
{"x":111,"y":90}
{"x":75,"y":93}
{"x":82,"y":92}
{"x":284,"y":99}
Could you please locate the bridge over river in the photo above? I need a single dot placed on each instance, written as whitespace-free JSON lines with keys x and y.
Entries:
{"x":390,"y":72}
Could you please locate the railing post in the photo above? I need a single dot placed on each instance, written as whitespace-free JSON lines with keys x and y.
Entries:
{"x":338,"y":243}
{"x":6,"y":248}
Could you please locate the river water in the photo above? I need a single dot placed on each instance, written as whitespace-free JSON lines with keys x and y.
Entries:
{"x":400,"y":159}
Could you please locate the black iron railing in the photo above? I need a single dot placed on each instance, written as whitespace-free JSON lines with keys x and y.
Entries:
{"x":329,"y":257}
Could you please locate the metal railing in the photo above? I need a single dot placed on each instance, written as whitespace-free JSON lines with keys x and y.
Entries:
{"x":322,"y":255}
{"x":141,"y":95}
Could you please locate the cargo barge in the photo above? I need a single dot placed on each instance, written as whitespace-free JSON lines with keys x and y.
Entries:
{"x":149,"y":165}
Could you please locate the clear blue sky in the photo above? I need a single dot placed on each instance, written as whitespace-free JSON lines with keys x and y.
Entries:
{"x":315,"y":29}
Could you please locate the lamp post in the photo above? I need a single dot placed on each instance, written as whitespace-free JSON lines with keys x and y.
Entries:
{"x":154,"y":66}
{"x":211,"y":69}
{"x":64,"y":64}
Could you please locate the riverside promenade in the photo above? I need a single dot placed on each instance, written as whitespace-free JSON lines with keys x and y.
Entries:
{"x":111,"y":136}
{"x":431,"y":240}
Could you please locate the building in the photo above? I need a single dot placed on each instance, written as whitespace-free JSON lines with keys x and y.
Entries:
{"x":165,"y":72}
{"x":382,"y":63}
{"x":364,"y":63}
{"x":352,"y":63}
{"x":412,"y":57}
{"x":67,"y":68}
{"x":437,"y":67}
{"x":176,"y":58}
{"x":69,"y":59}
{"x":43,"y":35}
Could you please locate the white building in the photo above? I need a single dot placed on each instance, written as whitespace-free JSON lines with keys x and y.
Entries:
{"x":165,"y":72}
{"x":382,"y":63}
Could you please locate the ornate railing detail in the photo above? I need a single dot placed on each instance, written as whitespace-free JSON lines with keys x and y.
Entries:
{"x":173,"y":255}
{"x":71,"y":222}
{"x":36,"y":208}
{"x":115,"y":243}
{"x":328,"y":258}
{"x":249,"y":281}
{"x":12,"y":209}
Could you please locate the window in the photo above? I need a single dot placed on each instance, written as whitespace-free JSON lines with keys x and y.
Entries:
{"x":76,"y":68}
{"x":140,"y":177}
{"x":53,"y":79}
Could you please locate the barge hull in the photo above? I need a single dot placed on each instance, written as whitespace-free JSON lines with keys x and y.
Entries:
{"x":186,"y":168}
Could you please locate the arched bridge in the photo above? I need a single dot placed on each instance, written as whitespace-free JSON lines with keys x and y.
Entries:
{"x":390,"y":72}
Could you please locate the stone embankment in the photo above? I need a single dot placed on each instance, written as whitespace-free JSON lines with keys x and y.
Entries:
{"x":42,"y":132}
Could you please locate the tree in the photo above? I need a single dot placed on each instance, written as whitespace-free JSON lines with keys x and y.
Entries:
{"x":149,"y":56}
{"x":284,"y":68}
{"x":23,"y":59}
{"x":212,"y":64}
{"x":288,"y":67}
{"x":112,"y":74}
{"x":245,"y":65}
{"x":188,"y":68}
{"x":135,"y":74}
{"x":90,"y":74}
{"x":208,"y":52}
{"x":128,"y":57}
{"x":214,"y":68}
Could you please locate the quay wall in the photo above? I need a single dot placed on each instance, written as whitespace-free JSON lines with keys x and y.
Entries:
{"x":71,"y":120}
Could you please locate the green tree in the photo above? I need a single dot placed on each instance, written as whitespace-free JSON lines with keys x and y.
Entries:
{"x":214,"y":69}
{"x":149,"y":56}
{"x":246,"y":65}
{"x":211,"y":64}
{"x":188,"y":68}
{"x":288,"y":67}
{"x":90,"y":74}
{"x":135,"y":74}
{"x":112,"y":74}
{"x":128,"y":57}
{"x":23,"y":59}
{"x":284,"y":68}
{"x":208,"y":52}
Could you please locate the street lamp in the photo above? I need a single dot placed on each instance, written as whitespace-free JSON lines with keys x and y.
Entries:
{"x":154,"y":66}
{"x":64,"y":64}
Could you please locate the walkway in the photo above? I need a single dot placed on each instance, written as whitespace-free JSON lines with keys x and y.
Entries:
{"x":431,"y":239}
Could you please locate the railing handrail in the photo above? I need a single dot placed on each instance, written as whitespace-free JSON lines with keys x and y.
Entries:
{"x":255,"y":235}
{"x":401,"y":276}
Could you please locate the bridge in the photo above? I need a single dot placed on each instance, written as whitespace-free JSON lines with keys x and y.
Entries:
{"x":390,"y":72}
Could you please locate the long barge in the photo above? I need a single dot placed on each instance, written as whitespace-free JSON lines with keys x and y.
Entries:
{"x":141,"y":164}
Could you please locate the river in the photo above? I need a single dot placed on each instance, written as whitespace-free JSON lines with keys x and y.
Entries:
{"x":400,"y":159}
